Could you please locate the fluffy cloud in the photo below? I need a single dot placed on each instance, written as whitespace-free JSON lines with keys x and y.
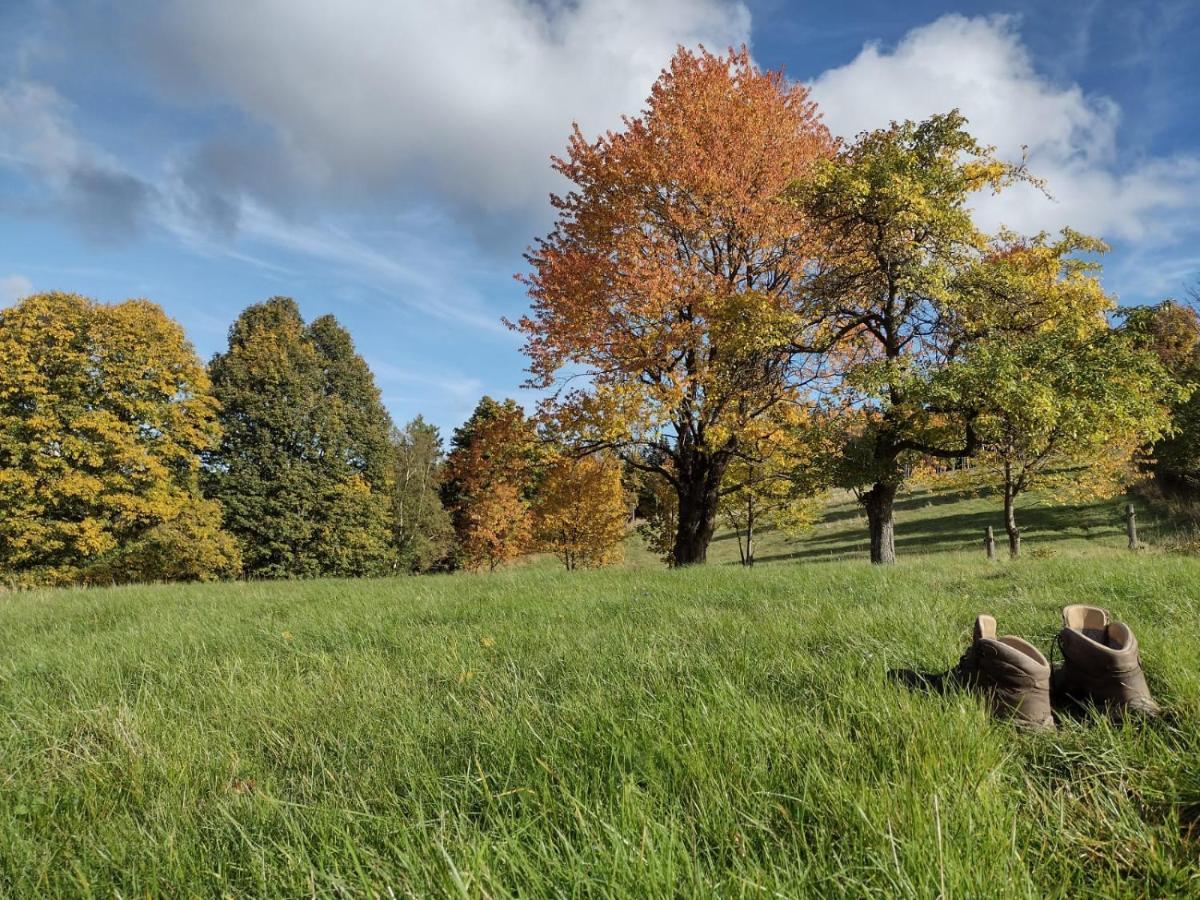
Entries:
{"x":466,"y":99}
{"x":980,"y":66}
{"x":13,"y":288}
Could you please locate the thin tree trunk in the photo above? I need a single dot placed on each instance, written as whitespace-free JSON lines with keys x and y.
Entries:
{"x":879,"y":502}
{"x":748,"y":560}
{"x":1010,"y":514}
{"x":737,"y":529}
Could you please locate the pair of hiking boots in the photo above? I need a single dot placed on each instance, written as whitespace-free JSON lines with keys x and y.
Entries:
{"x":1100,"y":666}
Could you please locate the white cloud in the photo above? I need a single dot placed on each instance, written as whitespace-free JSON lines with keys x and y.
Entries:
{"x":980,"y":66}
{"x":468,"y":99}
{"x":96,"y":192}
{"x":13,"y":288}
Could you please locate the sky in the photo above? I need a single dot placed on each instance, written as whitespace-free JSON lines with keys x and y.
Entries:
{"x":389,"y":161}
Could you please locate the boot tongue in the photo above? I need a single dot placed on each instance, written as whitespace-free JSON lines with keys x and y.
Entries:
{"x":985,"y":627}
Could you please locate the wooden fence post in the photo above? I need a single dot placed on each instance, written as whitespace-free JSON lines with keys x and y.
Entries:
{"x":989,"y":543}
{"x":1131,"y":526}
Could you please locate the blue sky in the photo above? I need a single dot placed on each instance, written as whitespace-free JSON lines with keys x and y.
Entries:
{"x":388,"y":162}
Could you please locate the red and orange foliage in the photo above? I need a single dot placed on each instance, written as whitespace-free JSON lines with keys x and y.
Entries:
{"x":669,"y":277}
{"x":488,"y":484}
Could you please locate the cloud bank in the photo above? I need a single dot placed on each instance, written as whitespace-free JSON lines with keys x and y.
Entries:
{"x":980,"y":66}
{"x":462,"y":100}
{"x":387,"y":140}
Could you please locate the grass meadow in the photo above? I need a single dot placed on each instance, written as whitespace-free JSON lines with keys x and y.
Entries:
{"x":632,"y":732}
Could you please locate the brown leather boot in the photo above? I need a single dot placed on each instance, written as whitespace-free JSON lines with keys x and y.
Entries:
{"x":1009,"y":671}
{"x":1101,"y":664}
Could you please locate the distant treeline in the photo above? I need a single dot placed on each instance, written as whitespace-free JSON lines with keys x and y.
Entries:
{"x":123,"y":458}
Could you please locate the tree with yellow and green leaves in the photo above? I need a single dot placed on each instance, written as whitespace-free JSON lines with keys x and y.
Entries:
{"x":894,"y":238}
{"x":581,"y":513}
{"x":777,"y":478}
{"x":104,"y":414}
{"x":1063,"y":402}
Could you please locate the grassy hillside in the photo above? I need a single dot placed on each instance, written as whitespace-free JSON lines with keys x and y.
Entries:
{"x":933,"y":521}
{"x":713,"y":732}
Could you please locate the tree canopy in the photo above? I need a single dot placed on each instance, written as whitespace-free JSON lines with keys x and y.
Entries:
{"x":303,"y":469}
{"x":104,"y":414}
{"x":669,"y":281}
{"x":1062,"y":401}
{"x":422,"y":530}
{"x":897,"y":247}
{"x":490,"y":480}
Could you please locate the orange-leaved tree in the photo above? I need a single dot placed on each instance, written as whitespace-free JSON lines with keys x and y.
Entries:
{"x":581,"y":513}
{"x":669,"y":283}
{"x":488,"y":483}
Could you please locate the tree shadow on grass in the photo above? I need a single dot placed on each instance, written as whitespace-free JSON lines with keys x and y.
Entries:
{"x":1040,"y":526}
{"x":917,"y":499}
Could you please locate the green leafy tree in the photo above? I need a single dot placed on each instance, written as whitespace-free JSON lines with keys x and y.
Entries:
{"x":1064,"y":402}
{"x":1171,"y":331}
{"x":303,"y":470}
{"x":421,"y":526}
{"x":895,"y":236}
{"x":104,"y":414}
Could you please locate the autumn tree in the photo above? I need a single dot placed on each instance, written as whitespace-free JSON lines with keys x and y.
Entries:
{"x":896,"y":236}
{"x":104,"y":414}
{"x":669,"y":283}
{"x":776,"y":479}
{"x":1171,"y":331}
{"x":421,"y":527}
{"x":1063,"y":401}
{"x":303,"y":470}
{"x":489,"y":483}
{"x":580,"y":513}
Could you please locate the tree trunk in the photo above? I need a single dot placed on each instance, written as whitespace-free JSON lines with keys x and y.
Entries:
{"x":698,"y":491}
{"x":1010,"y":514}
{"x":878,"y":502}
{"x":748,"y":560}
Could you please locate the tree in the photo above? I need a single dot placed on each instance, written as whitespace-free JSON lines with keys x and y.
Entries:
{"x":775,"y":478}
{"x":303,"y":471}
{"x":669,"y":281}
{"x":104,"y":414}
{"x":1064,"y":402}
{"x":895,"y":238}
{"x":581,"y":513}
{"x":489,"y":484}
{"x":421,"y":527}
{"x":1171,"y":331}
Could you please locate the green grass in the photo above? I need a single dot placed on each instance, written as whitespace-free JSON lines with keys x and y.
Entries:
{"x":633,"y":732}
{"x":931,"y":521}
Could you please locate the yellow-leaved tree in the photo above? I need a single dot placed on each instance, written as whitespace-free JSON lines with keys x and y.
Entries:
{"x":776,"y":479}
{"x":1063,"y":402}
{"x":581,"y":513}
{"x":104,"y":414}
